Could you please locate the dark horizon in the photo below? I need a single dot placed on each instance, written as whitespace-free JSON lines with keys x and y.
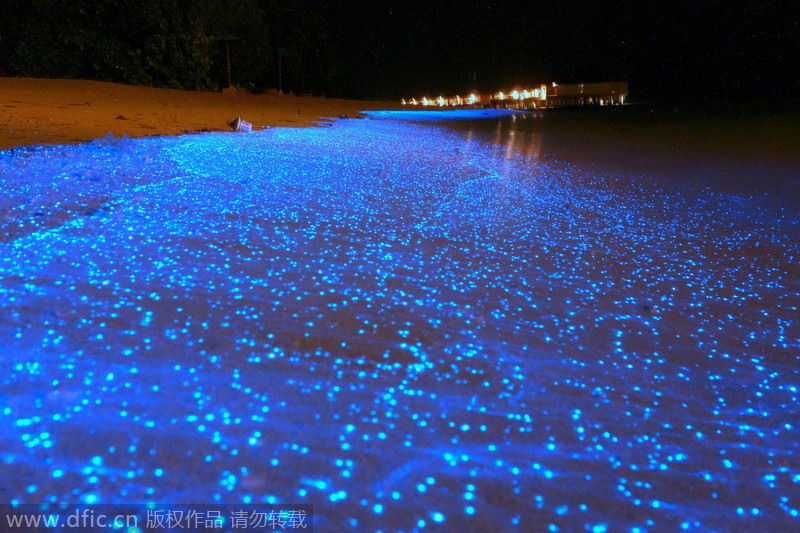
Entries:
{"x":680,"y":52}
{"x":717,"y":50}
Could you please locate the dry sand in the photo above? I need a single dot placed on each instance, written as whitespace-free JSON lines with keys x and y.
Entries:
{"x":37,"y":111}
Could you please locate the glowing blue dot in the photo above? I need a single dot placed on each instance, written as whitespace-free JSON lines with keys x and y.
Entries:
{"x":437,"y":517}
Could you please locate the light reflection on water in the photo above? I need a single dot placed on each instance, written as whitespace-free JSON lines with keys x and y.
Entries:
{"x":408,"y":326}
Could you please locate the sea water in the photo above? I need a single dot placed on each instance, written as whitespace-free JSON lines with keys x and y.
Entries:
{"x":413,"y":322}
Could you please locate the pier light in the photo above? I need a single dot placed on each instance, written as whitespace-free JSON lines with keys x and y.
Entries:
{"x":441,"y":101}
{"x":544,"y":91}
{"x":403,"y":101}
{"x":473,"y":98}
{"x":526,"y":94}
{"x":515,"y":95}
{"x":413,"y":101}
{"x":501,"y":96}
{"x":425,"y":101}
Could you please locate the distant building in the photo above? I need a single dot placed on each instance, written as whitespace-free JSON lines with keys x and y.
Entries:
{"x":579,"y":94}
{"x":520,"y":99}
{"x":542,"y":96}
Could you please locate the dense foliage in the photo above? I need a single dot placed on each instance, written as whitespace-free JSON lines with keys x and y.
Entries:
{"x":168,"y":43}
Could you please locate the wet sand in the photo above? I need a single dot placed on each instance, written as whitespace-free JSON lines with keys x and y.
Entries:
{"x":409,"y":326}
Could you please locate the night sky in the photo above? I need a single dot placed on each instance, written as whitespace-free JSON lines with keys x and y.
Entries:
{"x":687,"y":49}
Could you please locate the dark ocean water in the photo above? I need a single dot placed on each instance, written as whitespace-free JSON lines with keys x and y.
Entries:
{"x":744,"y":148}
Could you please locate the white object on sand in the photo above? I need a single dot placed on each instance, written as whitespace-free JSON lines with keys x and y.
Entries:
{"x":239,"y":124}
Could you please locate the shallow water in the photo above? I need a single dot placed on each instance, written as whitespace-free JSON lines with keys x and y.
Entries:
{"x":410,"y":324}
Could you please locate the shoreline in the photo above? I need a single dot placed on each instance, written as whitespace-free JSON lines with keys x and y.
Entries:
{"x":49,"y":111}
{"x":222,"y":312}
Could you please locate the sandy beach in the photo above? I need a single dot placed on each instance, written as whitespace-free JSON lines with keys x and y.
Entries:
{"x":39,"y":111}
